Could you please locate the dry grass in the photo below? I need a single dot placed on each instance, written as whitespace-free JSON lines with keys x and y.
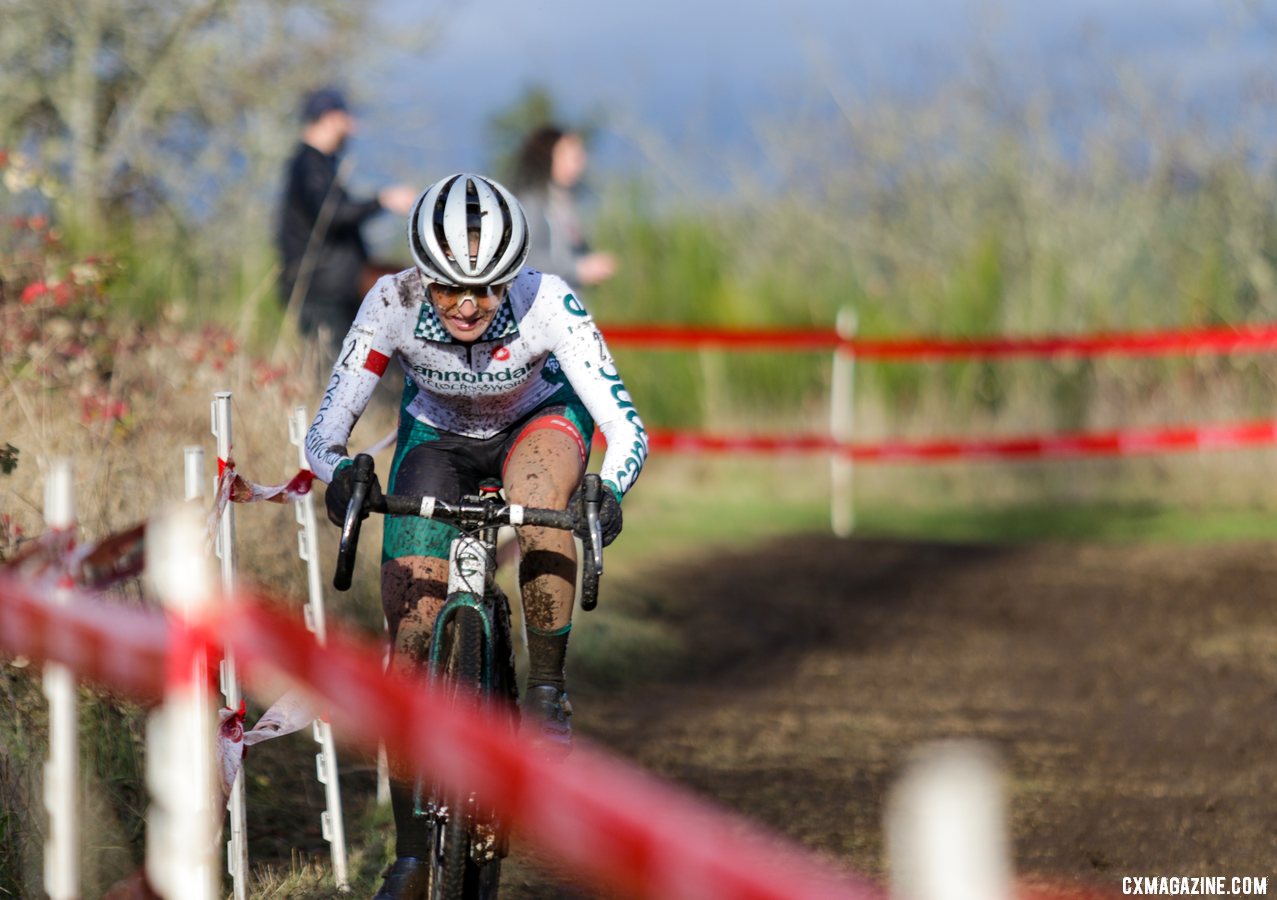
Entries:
{"x":80,"y":381}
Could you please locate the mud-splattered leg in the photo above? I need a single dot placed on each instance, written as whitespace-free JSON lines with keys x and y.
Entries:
{"x":412,"y":593}
{"x":543,"y":470}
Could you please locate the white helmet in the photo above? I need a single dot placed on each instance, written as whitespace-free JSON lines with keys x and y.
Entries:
{"x":449,"y":214}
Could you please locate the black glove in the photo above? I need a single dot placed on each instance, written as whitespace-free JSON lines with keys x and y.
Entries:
{"x":337,"y":497}
{"x":609,"y":513}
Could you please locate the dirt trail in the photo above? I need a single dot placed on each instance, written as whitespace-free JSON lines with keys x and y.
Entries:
{"x":1129,"y":689}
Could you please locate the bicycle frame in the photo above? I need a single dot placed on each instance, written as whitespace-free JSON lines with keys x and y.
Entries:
{"x":472,"y":566}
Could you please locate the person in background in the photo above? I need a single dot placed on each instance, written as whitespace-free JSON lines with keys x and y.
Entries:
{"x":549,"y":167}
{"x":319,"y":237}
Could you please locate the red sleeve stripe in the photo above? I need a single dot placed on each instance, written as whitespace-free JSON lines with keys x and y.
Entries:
{"x":376,"y":362}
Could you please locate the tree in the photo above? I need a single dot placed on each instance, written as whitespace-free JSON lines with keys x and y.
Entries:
{"x":148,"y":105}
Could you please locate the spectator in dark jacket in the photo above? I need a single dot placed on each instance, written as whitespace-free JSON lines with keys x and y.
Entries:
{"x":319,"y":238}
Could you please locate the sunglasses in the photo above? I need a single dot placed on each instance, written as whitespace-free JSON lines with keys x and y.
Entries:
{"x":485,"y":297}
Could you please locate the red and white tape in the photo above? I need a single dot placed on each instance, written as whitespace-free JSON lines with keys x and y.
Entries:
{"x":239,"y":489}
{"x":292,"y":712}
{"x":1224,"y":340}
{"x":55,"y":555}
{"x":614,"y":825}
{"x":1129,"y":442}
{"x":235,"y":488}
{"x":124,"y":648}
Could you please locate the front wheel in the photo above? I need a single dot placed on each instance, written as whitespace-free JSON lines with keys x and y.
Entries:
{"x":456,"y":875}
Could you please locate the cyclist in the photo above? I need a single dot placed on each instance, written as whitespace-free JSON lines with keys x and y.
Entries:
{"x":506,"y":376}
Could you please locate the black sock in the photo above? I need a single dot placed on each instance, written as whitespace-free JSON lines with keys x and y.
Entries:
{"x":412,"y":833}
{"x":546,"y":654}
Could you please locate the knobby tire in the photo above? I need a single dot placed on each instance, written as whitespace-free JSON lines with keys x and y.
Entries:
{"x":462,"y":672}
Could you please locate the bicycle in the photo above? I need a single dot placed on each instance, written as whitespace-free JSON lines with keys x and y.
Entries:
{"x":471,"y":651}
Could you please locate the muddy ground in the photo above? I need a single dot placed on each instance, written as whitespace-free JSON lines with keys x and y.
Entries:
{"x":1130,"y":691}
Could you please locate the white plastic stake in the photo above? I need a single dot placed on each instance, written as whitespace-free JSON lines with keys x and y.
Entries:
{"x":237,"y":846}
{"x":62,"y":769}
{"x":946,"y":829}
{"x":383,"y":776}
{"x":842,"y":427}
{"x":183,"y":818}
{"x":326,"y":760}
{"x":193,"y":458}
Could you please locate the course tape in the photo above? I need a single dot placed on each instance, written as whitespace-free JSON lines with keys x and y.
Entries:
{"x":235,"y":488}
{"x":238,"y":489}
{"x":1129,"y":442}
{"x":1239,"y":339}
{"x":611,"y":824}
{"x":55,"y":556}
{"x":123,"y":648}
{"x":289,"y":714}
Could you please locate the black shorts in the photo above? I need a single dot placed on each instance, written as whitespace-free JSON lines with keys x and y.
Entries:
{"x":434,"y":463}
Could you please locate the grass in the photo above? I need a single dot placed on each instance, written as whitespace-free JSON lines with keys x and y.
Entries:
{"x":1029,"y":522}
{"x":696,"y":505}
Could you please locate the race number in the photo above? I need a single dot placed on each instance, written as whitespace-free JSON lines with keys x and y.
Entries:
{"x":354,"y":353}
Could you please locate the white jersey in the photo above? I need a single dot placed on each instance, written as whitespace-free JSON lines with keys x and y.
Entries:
{"x":540,"y":346}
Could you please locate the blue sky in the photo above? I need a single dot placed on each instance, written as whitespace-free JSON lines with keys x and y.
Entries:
{"x":679,"y":71}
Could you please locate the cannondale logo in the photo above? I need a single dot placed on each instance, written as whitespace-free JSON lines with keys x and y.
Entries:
{"x":469,"y":565}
